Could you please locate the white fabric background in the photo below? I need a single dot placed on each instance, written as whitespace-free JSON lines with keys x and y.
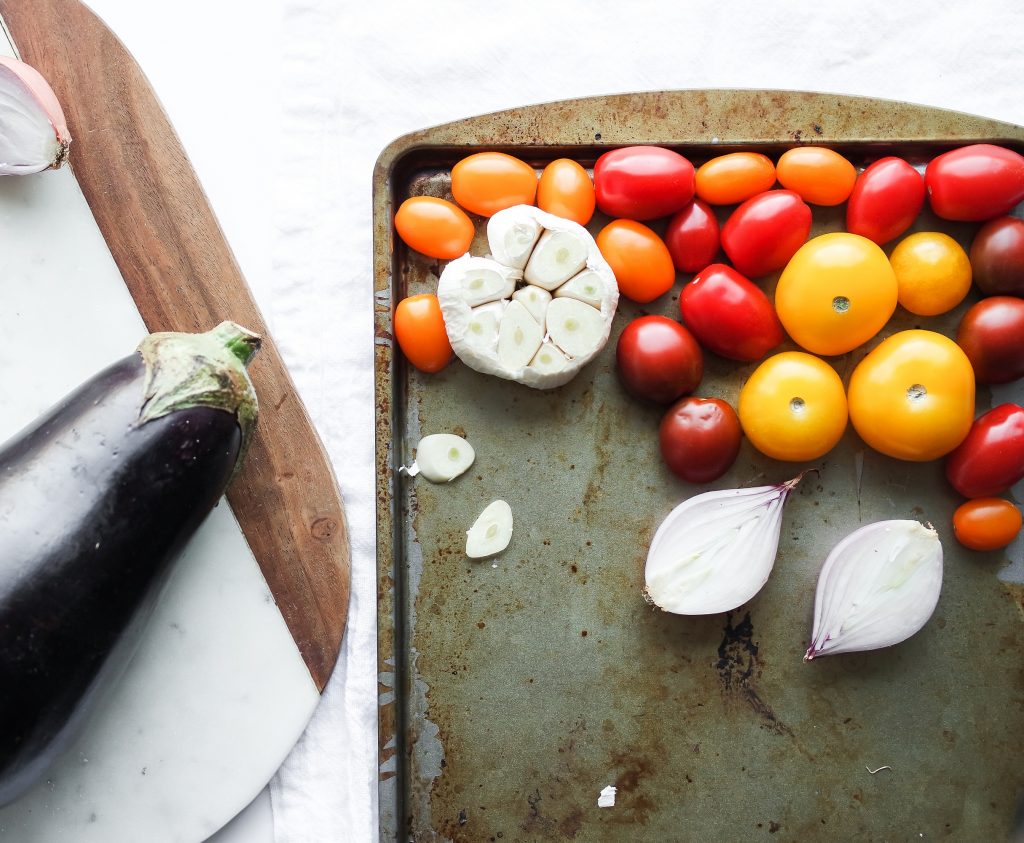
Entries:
{"x":284,"y":105}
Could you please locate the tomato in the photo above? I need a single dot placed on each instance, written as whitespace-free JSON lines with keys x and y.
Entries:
{"x":699,"y":439}
{"x":735,"y":177}
{"x":420,"y":331}
{"x":643,"y":182}
{"x":763,"y":233}
{"x":976,"y":182}
{"x":997,"y":256}
{"x":639,"y":258}
{"x":729,"y":315}
{"x":933,"y":273}
{"x":793,"y":407}
{"x":692,"y":237}
{"x":566,"y":190}
{"x":991,"y":459}
{"x":658,"y":359}
{"x":886,"y":200}
{"x":434,"y":227}
{"x":992,"y":336}
{"x":488,"y":182}
{"x":821,"y":176}
{"x":986,"y":523}
{"x":836,"y":293}
{"x":912,"y":397}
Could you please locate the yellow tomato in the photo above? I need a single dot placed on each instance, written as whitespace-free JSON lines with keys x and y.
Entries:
{"x":487,"y":182}
{"x":912,"y":397}
{"x":836,"y":293}
{"x":566,"y":190}
{"x":933,"y":272}
{"x":793,"y":407}
{"x":733,"y":178}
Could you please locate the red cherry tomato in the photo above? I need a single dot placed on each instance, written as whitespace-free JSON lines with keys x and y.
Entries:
{"x":997,"y":257}
{"x":763,"y":233}
{"x":991,"y":459}
{"x":566,"y":190}
{"x":643,"y":182}
{"x":885,"y":201}
{"x":976,"y":182}
{"x":821,"y":176}
{"x":434,"y":227}
{"x":692,"y":237}
{"x":992,"y":336}
{"x":730,"y":315}
{"x":986,"y":523}
{"x":699,"y":439}
{"x":658,"y":359}
{"x":639,"y":258}
{"x":420,"y":331}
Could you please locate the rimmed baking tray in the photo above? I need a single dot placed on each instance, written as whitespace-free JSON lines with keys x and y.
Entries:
{"x":512,"y":691}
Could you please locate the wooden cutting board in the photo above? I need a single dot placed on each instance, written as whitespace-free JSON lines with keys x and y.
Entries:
{"x":170,"y":255}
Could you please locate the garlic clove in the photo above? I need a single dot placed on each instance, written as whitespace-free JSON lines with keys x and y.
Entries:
{"x":519,"y":336}
{"x":34,"y":134}
{"x":478,"y":280}
{"x":556,"y":258}
{"x":878,"y":586}
{"x":512,"y":236}
{"x":715,"y":551}
{"x":441,"y":457}
{"x":482,"y":330}
{"x":491,"y":532}
{"x":577,"y":328}
{"x":585,"y":287}
{"x":535,"y":299}
{"x":548,"y":360}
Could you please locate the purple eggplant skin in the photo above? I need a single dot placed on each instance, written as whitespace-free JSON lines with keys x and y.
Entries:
{"x":94,"y":506}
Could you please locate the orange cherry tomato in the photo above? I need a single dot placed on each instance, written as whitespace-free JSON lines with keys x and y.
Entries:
{"x":986,"y":523}
{"x":733,"y":178}
{"x":488,"y":182}
{"x":419,"y":329}
{"x":639,"y":258}
{"x":821,"y":176}
{"x":912,"y":397}
{"x":434,"y":227}
{"x":566,"y":190}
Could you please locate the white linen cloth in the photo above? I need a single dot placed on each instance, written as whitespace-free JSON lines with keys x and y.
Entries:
{"x":284,"y":106}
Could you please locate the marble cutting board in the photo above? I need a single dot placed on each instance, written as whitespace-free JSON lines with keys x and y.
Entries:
{"x":249,"y":626}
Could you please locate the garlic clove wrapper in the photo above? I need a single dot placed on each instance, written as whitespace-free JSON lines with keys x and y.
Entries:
{"x":714,"y":552}
{"x":34,"y":135}
{"x":877,"y":587}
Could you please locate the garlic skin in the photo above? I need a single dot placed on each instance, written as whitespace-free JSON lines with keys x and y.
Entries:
{"x":715,"y":551}
{"x":34,"y":134}
{"x":877,"y":587}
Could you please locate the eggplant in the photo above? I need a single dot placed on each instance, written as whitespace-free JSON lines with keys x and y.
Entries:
{"x":97,"y":497}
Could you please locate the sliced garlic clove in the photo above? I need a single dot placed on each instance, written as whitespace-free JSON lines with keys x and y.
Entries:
{"x":512,"y":235}
{"x":35,"y":135}
{"x":491,"y":532}
{"x":482,"y":329}
{"x":535,"y":299}
{"x":877,"y":587}
{"x":519,"y":336}
{"x":715,"y":551}
{"x":478,"y":280}
{"x":549,"y":360}
{"x":576,"y":328}
{"x":441,"y":457}
{"x":586,"y":287}
{"x":557,"y":257}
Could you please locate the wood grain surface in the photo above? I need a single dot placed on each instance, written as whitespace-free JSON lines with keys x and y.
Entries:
{"x":182,"y":275}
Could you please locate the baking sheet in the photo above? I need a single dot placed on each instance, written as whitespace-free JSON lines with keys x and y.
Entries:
{"x":514,"y":690}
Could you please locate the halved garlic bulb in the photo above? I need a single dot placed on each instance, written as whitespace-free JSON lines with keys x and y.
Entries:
{"x":536,"y":256}
{"x":34,"y":135}
{"x":441,"y":457}
{"x":715,"y":550}
{"x":491,"y":532}
{"x":877,"y":587}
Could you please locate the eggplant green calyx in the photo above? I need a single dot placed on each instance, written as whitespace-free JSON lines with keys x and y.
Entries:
{"x":201,"y":370}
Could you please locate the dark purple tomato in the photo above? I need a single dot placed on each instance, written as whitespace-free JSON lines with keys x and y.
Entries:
{"x":992,"y":336}
{"x":699,"y":438}
{"x":997,"y":257}
{"x":658,"y":359}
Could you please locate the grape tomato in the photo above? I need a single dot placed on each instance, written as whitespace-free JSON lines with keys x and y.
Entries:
{"x":763,"y":233}
{"x":819,"y":175}
{"x":642,"y":182}
{"x":693,"y":237}
{"x":421,"y":334}
{"x":565,"y":190}
{"x":735,"y":177}
{"x":487,"y":182}
{"x":986,"y":524}
{"x":639,"y":258}
{"x":886,"y":199}
{"x":975,"y":183}
{"x":991,"y":458}
{"x":434,"y":227}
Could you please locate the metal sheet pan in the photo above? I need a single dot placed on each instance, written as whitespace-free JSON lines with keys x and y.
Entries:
{"x":512,"y":691}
